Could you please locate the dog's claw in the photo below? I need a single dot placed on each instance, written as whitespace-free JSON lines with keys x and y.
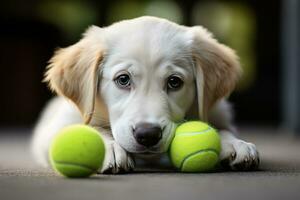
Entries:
{"x":238,"y":155}
{"x":232,"y":156}
{"x":117,"y":160}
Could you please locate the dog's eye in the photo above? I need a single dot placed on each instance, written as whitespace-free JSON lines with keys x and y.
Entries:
{"x":123,"y":81}
{"x":174,"y":82}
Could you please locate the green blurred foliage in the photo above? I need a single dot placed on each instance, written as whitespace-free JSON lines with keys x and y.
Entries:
{"x":235,"y":25}
{"x":72,"y":17}
{"x":127,"y":9}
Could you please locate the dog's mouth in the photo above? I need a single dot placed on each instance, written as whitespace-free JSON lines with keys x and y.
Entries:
{"x":161,"y":147}
{"x":132,"y":146}
{"x":154,"y":150}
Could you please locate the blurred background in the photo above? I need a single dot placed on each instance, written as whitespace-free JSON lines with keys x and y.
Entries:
{"x":265,"y":34}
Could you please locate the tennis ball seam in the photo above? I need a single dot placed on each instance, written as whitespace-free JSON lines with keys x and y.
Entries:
{"x":194,"y":133}
{"x":197,"y":152}
{"x":75,"y":164}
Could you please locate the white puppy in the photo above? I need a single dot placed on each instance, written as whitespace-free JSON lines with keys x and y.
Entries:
{"x":134,"y":81}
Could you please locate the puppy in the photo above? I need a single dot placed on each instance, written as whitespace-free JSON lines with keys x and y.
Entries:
{"x":134,"y":81}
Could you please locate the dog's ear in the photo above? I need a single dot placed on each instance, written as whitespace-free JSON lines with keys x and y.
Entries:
{"x":216,"y":67}
{"x":73,"y":72}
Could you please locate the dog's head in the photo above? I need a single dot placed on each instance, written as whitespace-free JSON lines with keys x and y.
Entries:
{"x":141,"y":77}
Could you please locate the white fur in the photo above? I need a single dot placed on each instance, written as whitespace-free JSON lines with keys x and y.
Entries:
{"x":150,"y":50}
{"x":58,"y":113}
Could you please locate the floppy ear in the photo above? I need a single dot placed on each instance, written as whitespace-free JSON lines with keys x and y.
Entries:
{"x":73,"y":72}
{"x":216,"y":67}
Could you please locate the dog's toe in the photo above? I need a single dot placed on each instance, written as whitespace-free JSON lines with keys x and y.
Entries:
{"x":107,"y":169}
{"x":117,"y":160}
{"x":239,"y":155}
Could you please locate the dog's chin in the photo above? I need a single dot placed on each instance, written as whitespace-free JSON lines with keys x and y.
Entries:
{"x":138,"y":149}
{"x":148,"y":155}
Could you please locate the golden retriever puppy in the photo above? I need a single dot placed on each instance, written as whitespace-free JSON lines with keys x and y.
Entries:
{"x":134,"y":81}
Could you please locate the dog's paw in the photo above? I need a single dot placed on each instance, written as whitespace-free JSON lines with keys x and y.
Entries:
{"x":116,"y":160}
{"x":237,"y":154}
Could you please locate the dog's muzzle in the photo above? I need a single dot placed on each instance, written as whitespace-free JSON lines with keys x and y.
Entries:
{"x":147,"y":134}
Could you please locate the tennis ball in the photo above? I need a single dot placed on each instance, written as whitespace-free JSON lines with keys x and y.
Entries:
{"x":77,"y":151}
{"x":195,"y":147}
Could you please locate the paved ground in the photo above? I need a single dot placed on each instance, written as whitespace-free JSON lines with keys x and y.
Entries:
{"x":278,"y":177}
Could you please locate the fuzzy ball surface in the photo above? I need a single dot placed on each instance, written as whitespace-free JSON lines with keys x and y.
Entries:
{"x":195,"y":147}
{"x":77,"y":151}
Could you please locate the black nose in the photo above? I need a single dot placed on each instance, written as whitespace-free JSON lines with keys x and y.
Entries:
{"x":147,"y":134}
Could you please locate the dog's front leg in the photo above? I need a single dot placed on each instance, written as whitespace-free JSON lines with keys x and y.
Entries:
{"x":237,"y":154}
{"x":116,"y":160}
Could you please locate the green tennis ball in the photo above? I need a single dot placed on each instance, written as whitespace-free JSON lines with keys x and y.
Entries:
{"x":195,"y":147}
{"x":77,"y":151}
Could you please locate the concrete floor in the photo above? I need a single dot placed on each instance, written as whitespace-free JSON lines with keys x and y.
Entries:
{"x":278,"y":177}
